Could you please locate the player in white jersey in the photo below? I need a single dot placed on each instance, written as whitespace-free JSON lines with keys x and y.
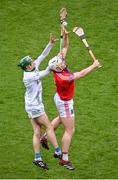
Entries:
{"x":33,"y":102}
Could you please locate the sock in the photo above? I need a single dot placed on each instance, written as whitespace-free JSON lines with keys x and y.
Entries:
{"x":38,"y":157}
{"x":57,"y":150}
{"x":65,"y":156}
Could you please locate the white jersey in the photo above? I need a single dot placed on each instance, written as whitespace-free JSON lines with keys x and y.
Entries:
{"x":32,"y":82}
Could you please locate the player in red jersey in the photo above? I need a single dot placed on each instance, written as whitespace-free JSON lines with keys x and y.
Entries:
{"x":64,"y":82}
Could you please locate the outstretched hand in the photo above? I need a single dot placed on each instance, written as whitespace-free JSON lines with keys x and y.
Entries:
{"x":52,"y":39}
{"x":97,"y":63}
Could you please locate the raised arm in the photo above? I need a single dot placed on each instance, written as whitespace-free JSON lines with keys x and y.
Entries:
{"x":46,"y":51}
{"x":84,"y":72}
{"x":39,"y":75}
{"x":65,"y":44}
{"x":44,"y":73}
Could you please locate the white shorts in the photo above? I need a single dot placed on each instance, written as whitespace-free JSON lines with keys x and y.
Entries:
{"x":35,"y":111}
{"x":65,"y":108}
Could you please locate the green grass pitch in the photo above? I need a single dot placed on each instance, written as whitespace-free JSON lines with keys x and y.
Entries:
{"x":24,"y":30}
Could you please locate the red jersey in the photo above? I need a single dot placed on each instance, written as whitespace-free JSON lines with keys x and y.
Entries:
{"x":64,"y":82}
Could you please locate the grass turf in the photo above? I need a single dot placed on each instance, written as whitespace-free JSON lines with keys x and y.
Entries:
{"x":24,"y":29}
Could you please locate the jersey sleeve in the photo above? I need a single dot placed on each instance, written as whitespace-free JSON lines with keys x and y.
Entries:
{"x":71,"y":77}
{"x":43,"y":55}
{"x":34,"y":76}
{"x":41,"y":74}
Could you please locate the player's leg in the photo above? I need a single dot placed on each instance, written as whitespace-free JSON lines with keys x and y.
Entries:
{"x":44,"y":139}
{"x":69,"y":131}
{"x":36,"y":136}
{"x":66,"y":141}
{"x":36,"y":145}
{"x":56,"y":122}
{"x":66,"y":112}
{"x":43,"y":120}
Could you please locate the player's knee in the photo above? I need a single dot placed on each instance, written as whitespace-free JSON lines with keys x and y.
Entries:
{"x":37,"y":133}
{"x":71,"y":131}
{"x":52,"y":126}
{"x":49,"y":127}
